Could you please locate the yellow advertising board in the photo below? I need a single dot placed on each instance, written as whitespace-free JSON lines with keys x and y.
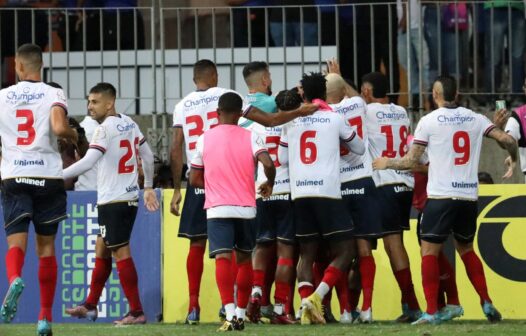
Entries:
{"x":500,"y":242}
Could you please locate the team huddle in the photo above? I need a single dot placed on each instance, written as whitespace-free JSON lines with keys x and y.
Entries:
{"x":342,"y":178}
{"x":290,"y":189}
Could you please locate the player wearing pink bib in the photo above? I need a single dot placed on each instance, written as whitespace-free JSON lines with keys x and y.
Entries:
{"x":453,"y":137}
{"x":311,"y":147}
{"x":32,"y":117}
{"x":115,"y":147}
{"x":225,"y":165}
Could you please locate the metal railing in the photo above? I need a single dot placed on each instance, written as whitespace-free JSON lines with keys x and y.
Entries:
{"x":148,"y":52}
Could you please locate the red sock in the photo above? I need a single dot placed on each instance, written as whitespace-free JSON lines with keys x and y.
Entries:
{"x":447,"y":279}
{"x":354,"y":298}
{"x":270,"y":274}
{"x":282,"y":290}
{"x":430,"y":282}
{"x":331,"y":276}
{"x":47,"y":279}
{"x":234,"y":268}
{"x":194,"y":269}
{"x":367,"y":273}
{"x":99,"y":276}
{"x":403,"y":277}
{"x":129,"y":283}
{"x":225,"y":280}
{"x":305,"y":289}
{"x":259,"y":278}
{"x":475,"y":273}
{"x":14,"y":261}
{"x":342,"y":290}
{"x":244,"y":283}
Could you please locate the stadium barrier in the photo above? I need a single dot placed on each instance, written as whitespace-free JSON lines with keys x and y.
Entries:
{"x":75,"y":250}
{"x":499,"y":242}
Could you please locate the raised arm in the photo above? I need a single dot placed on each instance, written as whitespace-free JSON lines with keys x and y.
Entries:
{"x":60,"y":126}
{"x":508,"y":143}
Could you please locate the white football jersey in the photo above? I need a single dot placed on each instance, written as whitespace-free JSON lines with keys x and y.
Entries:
{"x":118,"y":138}
{"x":196,"y":113}
{"x":453,"y":137}
{"x":353,"y":166}
{"x":388,"y":127}
{"x":29,"y":146}
{"x":313,"y":144}
{"x":88,"y":180}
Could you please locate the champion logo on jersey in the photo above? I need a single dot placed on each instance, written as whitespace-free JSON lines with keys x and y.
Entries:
{"x":310,"y":120}
{"x":392,"y":115}
{"x":454,"y":119}
{"x":13,"y":97}
{"x":345,"y":109}
{"x":126,"y":127}
{"x":204,"y":100}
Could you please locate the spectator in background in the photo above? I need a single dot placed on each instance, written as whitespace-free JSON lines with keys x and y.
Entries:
{"x":302,"y":16}
{"x":504,"y":19}
{"x":446,"y":35}
{"x":373,"y":33}
{"x":113,"y":36}
{"x":249,"y":19}
{"x":206,"y":18}
{"x":411,"y":49}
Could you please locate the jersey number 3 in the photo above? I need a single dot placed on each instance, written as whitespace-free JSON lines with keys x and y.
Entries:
{"x":25,"y":127}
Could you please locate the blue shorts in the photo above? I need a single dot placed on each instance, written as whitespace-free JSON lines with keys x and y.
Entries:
{"x":275,"y":220}
{"x":42,"y":201}
{"x":193,"y":216}
{"x":394,"y":203}
{"x":360,"y":200}
{"x":226,"y":234}
{"x":325,"y":218}
{"x":442,"y":217}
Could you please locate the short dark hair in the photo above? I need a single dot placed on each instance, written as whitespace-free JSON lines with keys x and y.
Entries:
{"x":104,"y":88}
{"x":485,"y":178}
{"x":254,"y":67}
{"x":379,"y":83}
{"x":314,"y":86}
{"x":288,"y":100}
{"x":30,"y":52}
{"x":449,"y":87}
{"x":203,"y":68}
{"x":230,"y":102}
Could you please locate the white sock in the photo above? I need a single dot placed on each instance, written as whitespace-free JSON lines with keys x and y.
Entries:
{"x":322,"y":289}
{"x":257,"y":290}
{"x":240,"y":313}
{"x":278,"y":309}
{"x":230,"y":310}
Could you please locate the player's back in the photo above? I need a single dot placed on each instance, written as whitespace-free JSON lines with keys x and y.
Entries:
{"x":454,"y":139}
{"x":119,"y":138}
{"x":388,"y":127}
{"x":314,"y":154}
{"x":354,"y":166}
{"x":29,"y":147}
{"x":195,"y":114}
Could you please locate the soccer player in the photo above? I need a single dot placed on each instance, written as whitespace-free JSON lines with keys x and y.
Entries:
{"x":274,"y":220}
{"x":224,"y":164}
{"x":311,"y":147}
{"x":196,"y":113}
{"x":453,"y":138}
{"x":32,"y":117}
{"x":358,"y":189}
{"x":115,"y":147}
{"x":388,"y":128}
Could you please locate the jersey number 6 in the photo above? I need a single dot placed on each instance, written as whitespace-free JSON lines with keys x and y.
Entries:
{"x":308,"y":150}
